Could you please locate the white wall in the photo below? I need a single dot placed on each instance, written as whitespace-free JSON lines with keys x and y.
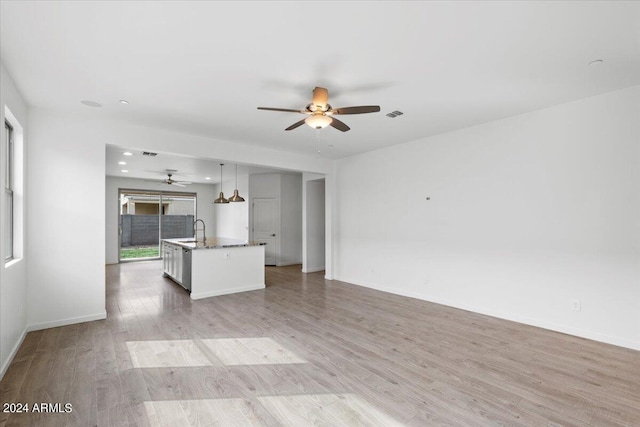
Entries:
{"x":291,"y":222}
{"x":13,"y":276}
{"x":525,"y":215}
{"x":313,"y":219}
{"x":331,"y":229}
{"x":265,"y":185}
{"x":65,"y":243}
{"x":232,"y":219}
{"x":206,"y":194}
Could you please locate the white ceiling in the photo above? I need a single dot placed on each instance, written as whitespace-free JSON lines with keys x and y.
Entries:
{"x":187,"y":168}
{"x":204,"y":67}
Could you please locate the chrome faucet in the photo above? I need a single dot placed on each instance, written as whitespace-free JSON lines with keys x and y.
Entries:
{"x":195,"y":230}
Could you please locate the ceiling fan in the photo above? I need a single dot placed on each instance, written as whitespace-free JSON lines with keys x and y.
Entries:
{"x":171,"y":181}
{"x":321,"y":113}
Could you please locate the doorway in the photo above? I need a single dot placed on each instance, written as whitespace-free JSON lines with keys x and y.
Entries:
{"x":314,"y":224}
{"x":147,"y":217}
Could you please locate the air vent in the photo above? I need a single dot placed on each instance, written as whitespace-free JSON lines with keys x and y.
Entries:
{"x":149,"y":153}
{"x":395,"y":114}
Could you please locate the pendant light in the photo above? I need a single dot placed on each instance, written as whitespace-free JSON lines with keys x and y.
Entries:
{"x":236,"y":197}
{"x":221,"y":199}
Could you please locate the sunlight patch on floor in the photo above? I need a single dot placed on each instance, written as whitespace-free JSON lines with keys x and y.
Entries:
{"x":225,"y":351}
{"x":348,"y":410}
{"x":325,"y":409}
{"x":164,"y":354}
{"x":251,"y":351}
{"x":203,"y":412}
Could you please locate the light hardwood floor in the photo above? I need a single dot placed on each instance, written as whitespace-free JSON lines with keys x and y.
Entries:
{"x":305,"y":350}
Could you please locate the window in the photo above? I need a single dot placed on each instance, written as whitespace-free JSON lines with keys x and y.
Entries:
{"x":8,"y":191}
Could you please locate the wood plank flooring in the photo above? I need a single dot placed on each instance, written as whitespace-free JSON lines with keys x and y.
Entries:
{"x":309,"y":351}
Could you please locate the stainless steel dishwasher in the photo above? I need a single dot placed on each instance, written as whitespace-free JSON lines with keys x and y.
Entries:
{"x":186,"y":269}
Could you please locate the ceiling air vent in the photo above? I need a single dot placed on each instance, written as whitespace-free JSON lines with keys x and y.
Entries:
{"x":395,"y":114}
{"x":149,"y":153}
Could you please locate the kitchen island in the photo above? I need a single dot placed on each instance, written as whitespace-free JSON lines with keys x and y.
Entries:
{"x":215,"y":266}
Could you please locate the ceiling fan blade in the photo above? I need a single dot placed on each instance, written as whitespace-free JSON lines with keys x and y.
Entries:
{"x":183,"y":182}
{"x":296,"y":124}
{"x":357,"y":110}
{"x":178,"y":184}
{"x":339,"y":125}
{"x":320,"y":97}
{"x":286,"y":110}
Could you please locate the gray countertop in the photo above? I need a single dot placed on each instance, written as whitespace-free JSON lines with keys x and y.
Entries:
{"x":211,"y":243}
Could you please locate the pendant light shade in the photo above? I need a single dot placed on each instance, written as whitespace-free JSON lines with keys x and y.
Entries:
{"x":236,"y":197}
{"x":221,"y":198}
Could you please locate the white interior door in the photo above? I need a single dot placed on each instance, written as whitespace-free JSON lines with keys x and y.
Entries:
{"x":265,"y":226}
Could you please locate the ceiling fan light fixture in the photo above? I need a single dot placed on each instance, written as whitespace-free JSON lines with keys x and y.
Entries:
{"x":321,"y":113}
{"x":318,"y":121}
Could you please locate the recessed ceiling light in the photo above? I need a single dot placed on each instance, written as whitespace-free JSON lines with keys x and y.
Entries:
{"x":122,"y":163}
{"x":596,"y":62}
{"x":124,"y":170}
{"x":127,"y":153}
{"x":90,"y":103}
{"x":124,"y":101}
{"x":207,"y":177}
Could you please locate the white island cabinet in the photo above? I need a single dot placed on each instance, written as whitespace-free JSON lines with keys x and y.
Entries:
{"x":217,"y":266}
{"x":176,"y":264}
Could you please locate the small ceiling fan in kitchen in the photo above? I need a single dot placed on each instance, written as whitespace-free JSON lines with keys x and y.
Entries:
{"x":321,"y":114}
{"x":171,"y":181}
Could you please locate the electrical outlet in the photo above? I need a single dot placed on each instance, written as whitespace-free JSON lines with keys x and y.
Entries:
{"x":227,"y":255}
{"x":575,"y":305}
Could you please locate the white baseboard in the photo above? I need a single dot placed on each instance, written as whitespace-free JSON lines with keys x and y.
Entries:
{"x":226,"y":291}
{"x":65,"y":322}
{"x":284,"y":264}
{"x":313,"y":269}
{"x":582,"y":333}
{"x":14,"y":351}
